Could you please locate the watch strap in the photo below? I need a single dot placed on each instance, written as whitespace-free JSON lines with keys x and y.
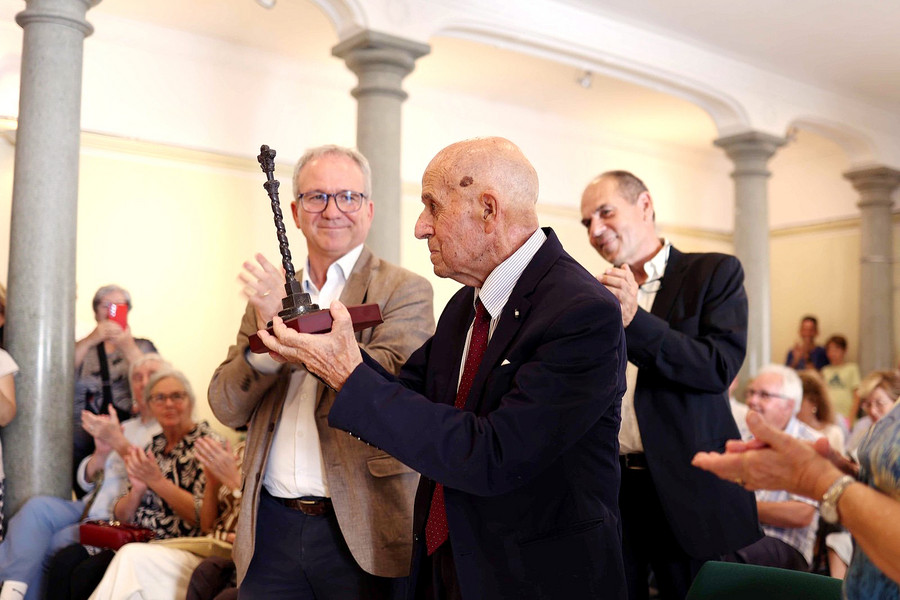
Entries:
{"x":833,"y":494}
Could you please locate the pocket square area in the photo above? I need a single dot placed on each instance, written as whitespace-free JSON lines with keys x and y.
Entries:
{"x":505,"y":362}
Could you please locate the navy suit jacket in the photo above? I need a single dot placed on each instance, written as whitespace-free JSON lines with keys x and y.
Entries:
{"x":530,"y":466}
{"x":688,"y":349}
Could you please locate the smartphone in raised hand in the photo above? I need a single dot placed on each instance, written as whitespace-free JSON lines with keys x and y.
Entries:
{"x":119,"y":314}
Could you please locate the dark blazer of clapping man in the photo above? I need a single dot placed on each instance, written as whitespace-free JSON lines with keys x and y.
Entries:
{"x":685,"y":318}
{"x":526,"y":461}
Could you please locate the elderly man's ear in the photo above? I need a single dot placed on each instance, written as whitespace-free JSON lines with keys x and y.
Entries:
{"x":490,"y":211}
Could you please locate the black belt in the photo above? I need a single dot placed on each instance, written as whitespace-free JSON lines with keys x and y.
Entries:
{"x":633,"y":461}
{"x":309,"y":505}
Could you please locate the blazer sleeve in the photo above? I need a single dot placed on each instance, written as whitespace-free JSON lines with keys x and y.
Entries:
{"x":704,"y":350}
{"x":236,"y":387}
{"x":408,"y":313}
{"x":545,"y":402}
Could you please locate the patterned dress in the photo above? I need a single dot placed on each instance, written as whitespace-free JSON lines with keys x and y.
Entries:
{"x":182,"y":468}
{"x":879,"y":461}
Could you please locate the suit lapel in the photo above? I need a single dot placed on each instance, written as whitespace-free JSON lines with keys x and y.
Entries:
{"x":514,"y":315}
{"x":672,"y":280}
{"x":354,"y":292}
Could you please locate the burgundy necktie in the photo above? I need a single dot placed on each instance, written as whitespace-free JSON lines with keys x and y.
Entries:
{"x":436,"y":528}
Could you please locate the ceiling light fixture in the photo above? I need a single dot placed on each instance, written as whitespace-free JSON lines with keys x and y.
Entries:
{"x":585,"y":80}
{"x":270,"y":4}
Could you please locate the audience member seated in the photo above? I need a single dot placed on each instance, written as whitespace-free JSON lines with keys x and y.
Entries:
{"x":789,"y":521}
{"x":805,"y":354}
{"x":46,"y":524}
{"x":163,"y":571}
{"x":101,"y":366}
{"x":877,"y":394}
{"x":816,"y":410}
{"x":841,"y":377}
{"x":867,"y":504}
{"x":166,"y":492}
{"x":8,"y":370}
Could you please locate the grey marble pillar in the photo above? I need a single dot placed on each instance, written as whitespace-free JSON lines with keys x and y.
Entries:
{"x":381,"y":61}
{"x":876,"y":301}
{"x":37,"y":445}
{"x":750,"y":152}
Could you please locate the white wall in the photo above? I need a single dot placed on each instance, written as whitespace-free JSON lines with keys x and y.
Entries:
{"x":173,"y":223}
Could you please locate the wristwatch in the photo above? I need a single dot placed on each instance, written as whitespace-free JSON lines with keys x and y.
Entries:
{"x":828,"y":507}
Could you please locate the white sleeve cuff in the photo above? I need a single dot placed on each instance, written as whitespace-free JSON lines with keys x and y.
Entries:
{"x":262,"y":362}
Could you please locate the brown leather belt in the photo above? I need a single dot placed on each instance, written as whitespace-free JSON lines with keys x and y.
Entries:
{"x":633,"y":461}
{"x":314,"y":507}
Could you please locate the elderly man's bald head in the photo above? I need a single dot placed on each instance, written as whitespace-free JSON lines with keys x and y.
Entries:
{"x":492,"y":162}
{"x":479,"y":198}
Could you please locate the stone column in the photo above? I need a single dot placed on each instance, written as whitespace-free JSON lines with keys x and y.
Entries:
{"x":38,"y":443}
{"x":381,"y":61}
{"x":876,"y":277}
{"x":750,"y":152}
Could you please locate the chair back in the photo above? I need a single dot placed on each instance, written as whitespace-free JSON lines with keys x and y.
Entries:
{"x":735,"y":581}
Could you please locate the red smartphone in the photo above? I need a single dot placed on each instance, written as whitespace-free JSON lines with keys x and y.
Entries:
{"x":119,"y":314}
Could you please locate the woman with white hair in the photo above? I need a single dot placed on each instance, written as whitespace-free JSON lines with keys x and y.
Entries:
{"x":167,"y":486}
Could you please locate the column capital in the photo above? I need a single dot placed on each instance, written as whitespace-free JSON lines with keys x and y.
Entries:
{"x":380,"y":61}
{"x":750,"y":151}
{"x":874,"y":184}
{"x":69,"y":13}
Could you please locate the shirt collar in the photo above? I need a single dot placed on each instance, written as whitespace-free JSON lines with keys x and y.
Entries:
{"x":655,"y":268}
{"x":500,"y":283}
{"x":339,"y":269}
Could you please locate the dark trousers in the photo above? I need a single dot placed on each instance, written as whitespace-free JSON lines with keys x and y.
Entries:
{"x":648,"y":542}
{"x":769,"y":552}
{"x":305,"y":557}
{"x":74,"y":573}
{"x":437,"y":575}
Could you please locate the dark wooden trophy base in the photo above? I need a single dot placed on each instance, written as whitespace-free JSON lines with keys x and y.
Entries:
{"x":363,"y":317}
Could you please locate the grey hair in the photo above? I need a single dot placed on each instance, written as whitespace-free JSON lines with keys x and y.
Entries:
{"x":791,"y":386}
{"x":630,"y":186}
{"x":143,"y":358}
{"x":332,"y":149}
{"x":166,"y":373}
{"x":109,"y":289}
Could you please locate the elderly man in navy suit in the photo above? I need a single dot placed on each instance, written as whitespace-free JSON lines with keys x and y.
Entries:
{"x":510,"y":411}
{"x":685,"y":318}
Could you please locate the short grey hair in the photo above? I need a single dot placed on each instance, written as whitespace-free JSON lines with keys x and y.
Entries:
{"x":143,"y":358}
{"x":109,"y":289}
{"x":166,"y":373}
{"x":791,"y":386}
{"x":332,"y":149}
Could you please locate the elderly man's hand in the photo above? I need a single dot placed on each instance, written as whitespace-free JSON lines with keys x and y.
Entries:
{"x":264,"y":288}
{"x":620,"y":281}
{"x":772,"y":461}
{"x":331,"y":356}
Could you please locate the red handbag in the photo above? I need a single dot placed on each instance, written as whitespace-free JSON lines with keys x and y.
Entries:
{"x":112,"y":534}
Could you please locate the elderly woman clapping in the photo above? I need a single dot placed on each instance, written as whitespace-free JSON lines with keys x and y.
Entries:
{"x":167,"y":484}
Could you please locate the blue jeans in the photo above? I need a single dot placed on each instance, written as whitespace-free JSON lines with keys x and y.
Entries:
{"x":42,"y":526}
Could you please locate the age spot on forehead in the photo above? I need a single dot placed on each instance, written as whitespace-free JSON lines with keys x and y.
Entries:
{"x":465,"y":181}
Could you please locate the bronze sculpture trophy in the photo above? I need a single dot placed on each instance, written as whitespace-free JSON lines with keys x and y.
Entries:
{"x":298,"y":311}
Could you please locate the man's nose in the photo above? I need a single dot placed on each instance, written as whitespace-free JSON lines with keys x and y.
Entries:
{"x":331,"y":209}
{"x":423,"y":228}
{"x":597,"y":226}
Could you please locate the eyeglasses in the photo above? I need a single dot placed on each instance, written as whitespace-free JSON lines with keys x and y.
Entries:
{"x":763,"y":395}
{"x":175,"y":397}
{"x":346,"y":201}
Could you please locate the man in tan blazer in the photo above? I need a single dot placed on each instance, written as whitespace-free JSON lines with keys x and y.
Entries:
{"x":324,"y":515}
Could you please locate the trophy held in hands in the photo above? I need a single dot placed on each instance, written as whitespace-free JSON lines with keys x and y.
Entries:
{"x":298,"y":312}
